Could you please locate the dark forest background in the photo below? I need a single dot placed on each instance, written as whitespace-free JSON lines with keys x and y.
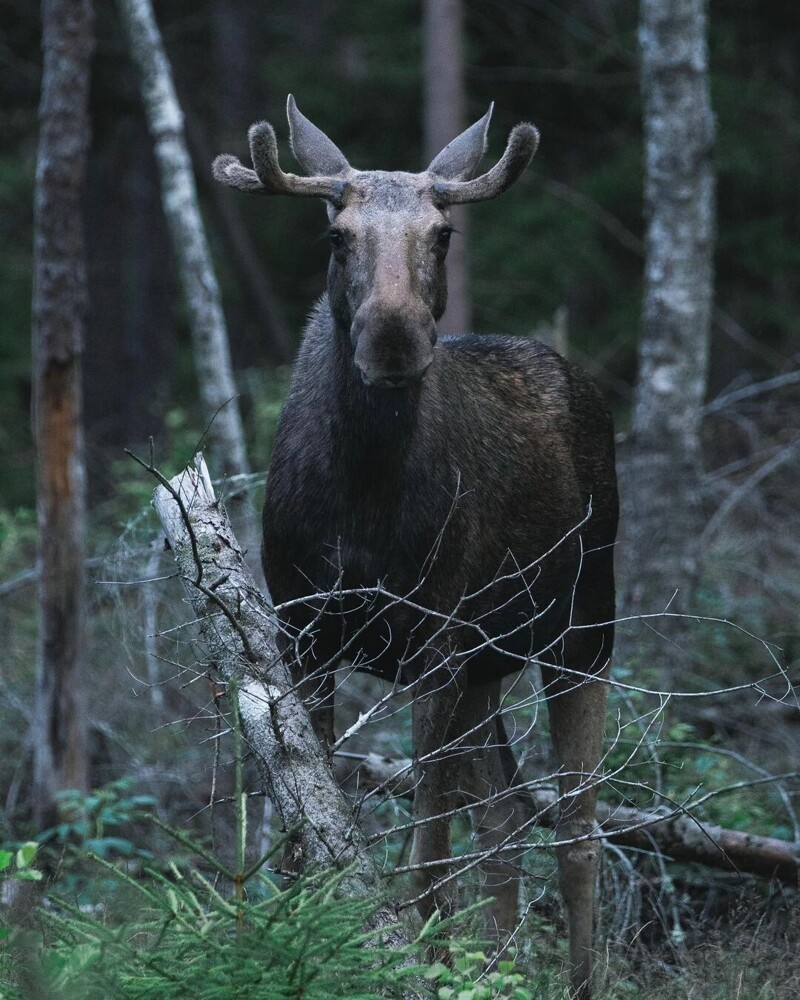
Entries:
{"x":570,"y":239}
{"x":559,"y":258}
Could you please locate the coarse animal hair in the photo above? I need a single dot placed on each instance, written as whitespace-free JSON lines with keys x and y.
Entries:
{"x":441,"y":511}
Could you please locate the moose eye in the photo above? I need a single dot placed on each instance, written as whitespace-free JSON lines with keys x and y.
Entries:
{"x":337,"y":239}
{"x":443,"y":240}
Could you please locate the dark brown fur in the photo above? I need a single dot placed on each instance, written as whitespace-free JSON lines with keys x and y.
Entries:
{"x":499,"y":450}
{"x":465,"y":489}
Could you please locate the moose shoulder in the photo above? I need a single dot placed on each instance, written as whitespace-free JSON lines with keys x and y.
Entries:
{"x":441,"y":511}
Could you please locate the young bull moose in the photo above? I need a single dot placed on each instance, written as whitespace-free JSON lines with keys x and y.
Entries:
{"x":440,"y":511}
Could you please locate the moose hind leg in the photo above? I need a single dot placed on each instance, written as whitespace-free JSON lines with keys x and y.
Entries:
{"x":497,"y":815}
{"x":577,"y":709}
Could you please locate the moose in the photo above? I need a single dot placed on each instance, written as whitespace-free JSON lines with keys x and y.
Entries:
{"x":440,"y":512}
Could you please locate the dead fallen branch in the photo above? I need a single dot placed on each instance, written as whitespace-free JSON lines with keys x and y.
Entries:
{"x":238,"y":628}
{"x":674,"y":833}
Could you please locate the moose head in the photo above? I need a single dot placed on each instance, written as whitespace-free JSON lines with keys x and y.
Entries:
{"x":389,"y":233}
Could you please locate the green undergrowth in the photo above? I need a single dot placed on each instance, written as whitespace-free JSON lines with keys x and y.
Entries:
{"x":193,"y":924}
{"x":192,"y":938}
{"x":113,"y":921}
{"x":206,"y":929}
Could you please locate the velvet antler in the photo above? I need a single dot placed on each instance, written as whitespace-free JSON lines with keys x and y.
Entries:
{"x":269,"y":178}
{"x":522,"y":144}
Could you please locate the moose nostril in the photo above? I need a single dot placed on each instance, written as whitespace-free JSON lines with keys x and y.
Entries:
{"x":396,"y":379}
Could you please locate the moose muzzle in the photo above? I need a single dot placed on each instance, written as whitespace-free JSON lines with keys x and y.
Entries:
{"x":393,"y":349}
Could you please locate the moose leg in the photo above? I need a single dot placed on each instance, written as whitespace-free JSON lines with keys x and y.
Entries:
{"x":435,"y":724}
{"x":317,"y":688}
{"x":497,"y":815}
{"x":577,"y":708}
{"x":315,"y":684}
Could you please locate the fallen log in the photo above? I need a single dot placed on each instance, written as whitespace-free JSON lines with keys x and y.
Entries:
{"x":238,"y":627}
{"x":674,"y":833}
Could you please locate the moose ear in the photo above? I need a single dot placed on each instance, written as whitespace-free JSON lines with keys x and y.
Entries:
{"x":313,"y":150}
{"x":459,"y":159}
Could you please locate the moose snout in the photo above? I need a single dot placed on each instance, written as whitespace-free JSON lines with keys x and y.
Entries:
{"x":392,"y":380}
{"x":393,"y":351}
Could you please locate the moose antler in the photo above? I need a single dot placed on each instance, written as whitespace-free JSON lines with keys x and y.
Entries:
{"x":522,"y":144}
{"x":267,"y":177}
{"x":330,"y":172}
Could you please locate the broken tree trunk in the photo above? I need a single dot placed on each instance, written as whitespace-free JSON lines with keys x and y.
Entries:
{"x":674,"y":833}
{"x":239,"y":629}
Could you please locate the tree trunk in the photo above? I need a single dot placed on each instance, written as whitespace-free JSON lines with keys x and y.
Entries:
{"x":239,"y":630}
{"x":59,"y":316}
{"x":445,"y":117}
{"x":662,"y":512}
{"x":179,"y":196}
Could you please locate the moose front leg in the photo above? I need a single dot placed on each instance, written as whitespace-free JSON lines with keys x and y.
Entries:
{"x":577,"y":709}
{"x":498,"y":816}
{"x":316,"y":687}
{"x":435,"y":724}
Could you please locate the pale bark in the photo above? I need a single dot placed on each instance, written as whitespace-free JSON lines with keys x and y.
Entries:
{"x":150,"y":629}
{"x":662,"y":513}
{"x":179,"y":196}
{"x":239,"y":630}
{"x":674,"y":833}
{"x":445,"y":117}
{"x":59,"y":317}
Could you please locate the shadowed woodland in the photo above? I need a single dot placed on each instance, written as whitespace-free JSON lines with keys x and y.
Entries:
{"x":145,"y":804}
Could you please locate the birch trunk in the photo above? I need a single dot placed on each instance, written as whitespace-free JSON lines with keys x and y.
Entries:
{"x":662,"y":512}
{"x":445,"y":117}
{"x":239,"y":631}
{"x":179,"y":197}
{"x":59,"y":316}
